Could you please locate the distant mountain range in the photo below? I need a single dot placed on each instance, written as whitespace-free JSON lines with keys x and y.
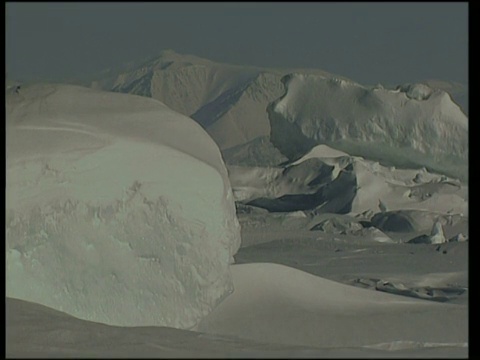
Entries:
{"x":230,"y":101}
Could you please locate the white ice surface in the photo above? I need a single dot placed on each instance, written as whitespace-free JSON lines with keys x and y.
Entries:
{"x":118,"y":209}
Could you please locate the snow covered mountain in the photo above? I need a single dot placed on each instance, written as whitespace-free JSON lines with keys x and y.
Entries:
{"x":185,"y":83}
{"x":118,"y":209}
{"x":412,"y":126}
{"x":229,"y":101}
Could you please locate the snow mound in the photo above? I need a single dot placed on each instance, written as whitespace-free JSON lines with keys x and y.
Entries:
{"x":306,"y":186}
{"x":278,"y":304}
{"x":412,"y":126}
{"x":326,"y":180}
{"x":118,"y":209}
{"x":36,"y":331}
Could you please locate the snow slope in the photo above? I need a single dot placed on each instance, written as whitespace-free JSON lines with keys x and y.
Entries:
{"x":118,"y":209}
{"x":35,"y":331}
{"x":243,"y":118}
{"x":412,"y":126}
{"x":184,"y":83}
{"x":277,"y":304}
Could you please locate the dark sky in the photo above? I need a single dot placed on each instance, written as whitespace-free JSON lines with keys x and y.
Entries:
{"x":386,"y":42}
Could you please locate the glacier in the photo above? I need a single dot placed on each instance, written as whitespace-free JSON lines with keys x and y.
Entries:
{"x":118,"y":209}
{"x":412,"y":125}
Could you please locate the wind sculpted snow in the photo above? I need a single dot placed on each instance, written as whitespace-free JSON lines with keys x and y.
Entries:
{"x":278,"y":304}
{"x":329,"y":181}
{"x":119,"y":210}
{"x":410,"y":126}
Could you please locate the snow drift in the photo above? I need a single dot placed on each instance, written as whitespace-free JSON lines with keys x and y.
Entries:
{"x":330,"y":181}
{"x":118,"y":209}
{"x":411,"y":126}
{"x":278,"y":304}
{"x":36,"y":331}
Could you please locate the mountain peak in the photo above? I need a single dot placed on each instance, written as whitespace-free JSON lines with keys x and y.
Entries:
{"x":168,"y":52}
{"x":170,"y":55}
